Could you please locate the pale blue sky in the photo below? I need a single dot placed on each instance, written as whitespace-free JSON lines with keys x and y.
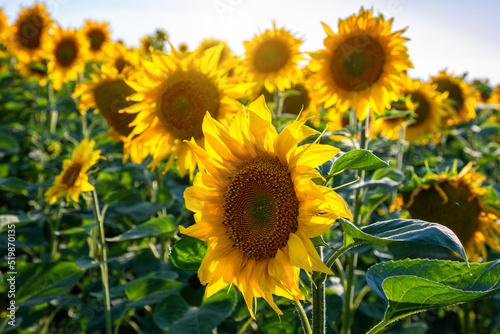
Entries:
{"x":460,"y":35}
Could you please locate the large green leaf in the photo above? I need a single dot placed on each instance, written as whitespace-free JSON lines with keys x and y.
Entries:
{"x":188,"y":252}
{"x":409,"y":230}
{"x":412,"y":286}
{"x":15,"y":185}
{"x":42,"y":282}
{"x":176,"y":316}
{"x":159,"y":226}
{"x":150,"y":290}
{"x":357,"y":159}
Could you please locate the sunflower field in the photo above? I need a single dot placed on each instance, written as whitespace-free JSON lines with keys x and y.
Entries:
{"x":164,"y":189}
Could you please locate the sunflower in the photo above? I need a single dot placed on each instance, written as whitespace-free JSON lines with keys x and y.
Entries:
{"x":362,"y":65}
{"x":36,"y":70}
{"x":4,"y":28}
{"x":173,"y":94}
{"x":98,"y":36}
{"x":457,"y":201}
{"x":460,"y":95}
{"x":483,"y":93}
{"x":271,"y":59}
{"x":432,"y":107}
{"x":390,"y":125}
{"x":257,"y":207}
{"x":66,"y":54}
{"x":74,"y":179}
{"x":30,"y":33}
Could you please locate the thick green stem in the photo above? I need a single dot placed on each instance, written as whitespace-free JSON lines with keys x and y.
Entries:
{"x":318,"y":300}
{"x":306,"y":327}
{"x":53,"y":109}
{"x":352,"y":259}
{"x":104,"y":266}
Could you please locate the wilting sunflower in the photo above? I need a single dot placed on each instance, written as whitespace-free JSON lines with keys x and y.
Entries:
{"x":457,"y":201}
{"x":460,"y":95}
{"x":257,"y":207}
{"x":74,"y":179}
{"x":66,"y":53}
{"x":98,"y":36}
{"x":30,"y":33}
{"x":173,"y":94}
{"x":390,"y":126}
{"x":362,"y":65}
{"x":430,"y":112}
{"x":271,"y":59}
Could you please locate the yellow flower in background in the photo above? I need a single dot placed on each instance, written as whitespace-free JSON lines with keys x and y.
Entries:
{"x":66,"y":52}
{"x":457,"y":201}
{"x":362,"y":66}
{"x":98,"y":36}
{"x":257,"y":207}
{"x":226,"y":53}
{"x":460,"y":95}
{"x":74,"y":179}
{"x":432,"y":107}
{"x":4,"y":28}
{"x":173,"y":94}
{"x":36,"y":70}
{"x":390,"y":126}
{"x":271,"y":59}
{"x":30,"y":33}
{"x":483,"y":93}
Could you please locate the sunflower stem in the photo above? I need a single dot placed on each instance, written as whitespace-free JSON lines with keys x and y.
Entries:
{"x":306,"y":327}
{"x":52,"y":107}
{"x":104,"y":265}
{"x":352,"y":259}
{"x":318,"y":300}
{"x":279,"y":102}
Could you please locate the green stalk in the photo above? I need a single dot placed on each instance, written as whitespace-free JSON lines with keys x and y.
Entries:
{"x":318,"y":300}
{"x":53,"y":109}
{"x":306,"y":327}
{"x":53,"y":227}
{"x":104,"y":265}
{"x":352,"y":259}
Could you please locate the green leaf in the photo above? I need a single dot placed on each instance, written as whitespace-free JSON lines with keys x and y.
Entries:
{"x":14,"y":184}
{"x":412,"y":286}
{"x":117,"y":195}
{"x":8,"y":144}
{"x":42,"y":282}
{"x":357,"y":159}
{"x":84,"y":229}
{"x":155,"y":227}
{"x":409,"y":230}
{"x":188,"y":252}
{"x":176,"y":316}
{"x":150,"y":290}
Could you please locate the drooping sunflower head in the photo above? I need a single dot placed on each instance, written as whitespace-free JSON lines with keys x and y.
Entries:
{"x":271,"y":59}
{"x":173,"y":95}
{"x":226,"y":53}
{"x":461,"y":97}
{"x":30,"y":33}
{"x":74,"y":179}
{"x":66,"y":52}
{"x":457,"y":201}
{"x":98,"y":36}
{"x":257,"y":207}
{"x":431,"y":109}
{"x":362,"y":64}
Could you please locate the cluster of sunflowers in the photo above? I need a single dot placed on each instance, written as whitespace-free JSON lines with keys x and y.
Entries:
{"x":244,"y":131}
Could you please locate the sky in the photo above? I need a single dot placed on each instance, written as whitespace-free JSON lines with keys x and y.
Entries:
{"x":460,"y":36}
